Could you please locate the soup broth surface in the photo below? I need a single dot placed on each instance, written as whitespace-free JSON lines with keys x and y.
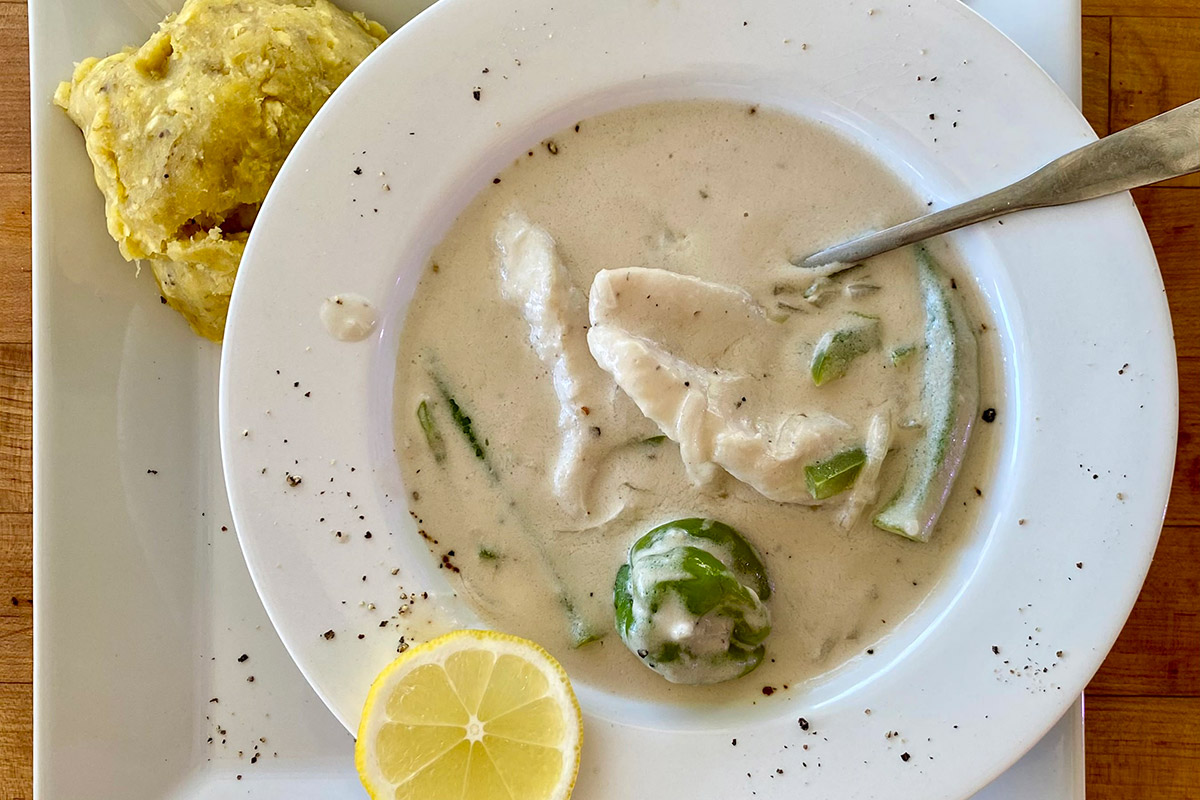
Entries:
{"x":727,"y":193}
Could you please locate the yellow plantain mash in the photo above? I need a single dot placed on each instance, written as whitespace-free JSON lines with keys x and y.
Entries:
{"x":187,"y":132}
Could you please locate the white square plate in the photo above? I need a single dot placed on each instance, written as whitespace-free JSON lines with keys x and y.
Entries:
{"x":144,"y":606}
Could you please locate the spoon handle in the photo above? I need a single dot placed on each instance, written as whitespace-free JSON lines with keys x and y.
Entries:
{"x":1163,"y":147}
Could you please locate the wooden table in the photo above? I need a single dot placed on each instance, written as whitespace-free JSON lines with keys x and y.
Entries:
{"x":1140,"y":57}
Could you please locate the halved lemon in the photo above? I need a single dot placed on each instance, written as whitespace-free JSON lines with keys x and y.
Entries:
{"x":472,"y":715}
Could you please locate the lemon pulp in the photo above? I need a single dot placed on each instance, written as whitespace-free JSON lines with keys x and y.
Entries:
{"x":476,"y":715}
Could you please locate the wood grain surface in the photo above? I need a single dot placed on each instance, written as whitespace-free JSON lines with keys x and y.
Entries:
{"x":1141,"y":57}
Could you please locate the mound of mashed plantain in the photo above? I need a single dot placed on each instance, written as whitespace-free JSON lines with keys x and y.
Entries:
{"x":187,"y":132}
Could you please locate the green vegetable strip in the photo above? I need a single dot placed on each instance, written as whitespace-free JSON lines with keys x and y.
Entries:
{"x":461,"y":420}
{"x":903,"y":354}
{"x":433,"y":437}
{"x":580,"y":630}
{"x":835,"y":474}
{"x":835,"y":351}
{"x":949,"y":402}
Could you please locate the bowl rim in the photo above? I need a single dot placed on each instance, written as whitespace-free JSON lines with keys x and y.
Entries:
{"x":310,"y":217}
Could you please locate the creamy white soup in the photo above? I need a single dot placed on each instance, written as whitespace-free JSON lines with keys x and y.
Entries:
{"x":611,"y":338}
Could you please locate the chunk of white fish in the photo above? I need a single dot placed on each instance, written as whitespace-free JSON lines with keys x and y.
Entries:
{"x":534,"y":279}
{"x":666,"y":339}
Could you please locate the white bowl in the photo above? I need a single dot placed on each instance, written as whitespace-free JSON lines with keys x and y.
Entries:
{"x":1089,"y":373}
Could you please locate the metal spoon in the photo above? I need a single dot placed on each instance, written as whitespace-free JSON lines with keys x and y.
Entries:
{"x":1166,"y":146}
